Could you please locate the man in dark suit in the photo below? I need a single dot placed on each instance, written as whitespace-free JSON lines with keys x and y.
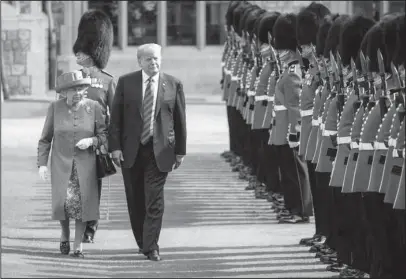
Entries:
{"x":147,"y":139}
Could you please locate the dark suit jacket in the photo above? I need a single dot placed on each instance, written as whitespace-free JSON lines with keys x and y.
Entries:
{"x":127,"y":120}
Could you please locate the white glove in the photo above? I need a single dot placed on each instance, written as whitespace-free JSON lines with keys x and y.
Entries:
{"x":85,"y":143}
{"x":43,"y":172}
{"x":293,"y":144}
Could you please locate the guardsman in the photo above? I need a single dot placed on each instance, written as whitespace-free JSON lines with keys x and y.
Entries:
{"x":92,"y":49}
{"x":228,"y":67}
{"x":263,"y":186}
{"x":379,"y":104}
{"x":285,"y":133}
{"x":307,"y":26}
{"x":321,"y":37}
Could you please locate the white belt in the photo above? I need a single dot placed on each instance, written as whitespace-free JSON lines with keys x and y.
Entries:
{"x":223,"y":64}
{"x":395,"y":153}
{"x":392,"y":142}
{"x":366,"y":146}
{"x":353,"y":144}
{"x":380,"y":146}
{"x":279,"y":108}
{"x":315,"y":122}
{"x":262,"y":98}
{"x":235,"y":78}
{"x":343,"y":140}
{"x":322,"y":127}
{"x":306,"y":112}
{"x":328,"y":133}
{"x":227,"y":72}
{"x":250,"y":93}
{"x":271,"y":98}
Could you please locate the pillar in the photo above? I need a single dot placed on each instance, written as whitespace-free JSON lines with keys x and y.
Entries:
{"x":122,"y":24}
{"x":66,"y":61}
{"x":200,"y":24}
{"x":385,"y":7}
{"x":223,"y":11}
{"x":161,"y":25}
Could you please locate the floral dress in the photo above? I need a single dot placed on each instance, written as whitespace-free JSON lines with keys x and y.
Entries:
{"x":73,"y":202}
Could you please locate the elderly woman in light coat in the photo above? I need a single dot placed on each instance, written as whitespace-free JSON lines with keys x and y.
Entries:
{"x":74,"y":128}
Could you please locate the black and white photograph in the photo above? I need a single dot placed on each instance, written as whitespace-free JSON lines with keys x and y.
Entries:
{"x":203,"y":139}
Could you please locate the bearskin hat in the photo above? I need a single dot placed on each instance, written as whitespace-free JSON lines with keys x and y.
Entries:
{"x":399,"y":56}
{"x":245,"y":15}
{"x":284,"y":32}
{"x":266,"y":25}
{"x":318,"y":9}
{"x":258,"y":22}
{"x":352,"y":34}
{"x":333,"y":36}
{"x":321,"y":37}
{"x":391,"y":28}
{"x":237,"y":15}
{"x":229,"y":14}
{"x":95,"y":37}
{"x":251,"y":20}
{"x":306,"y":27}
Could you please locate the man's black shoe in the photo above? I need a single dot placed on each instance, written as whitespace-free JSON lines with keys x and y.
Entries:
{"x":154,"y":256}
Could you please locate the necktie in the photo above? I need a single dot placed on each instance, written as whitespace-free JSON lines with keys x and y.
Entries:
{"x":147,"y":112}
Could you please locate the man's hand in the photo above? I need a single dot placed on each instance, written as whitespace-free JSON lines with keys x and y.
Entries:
{"x":117,"y":157}
{"x":178,"y":162}
{"x":43,"y":172}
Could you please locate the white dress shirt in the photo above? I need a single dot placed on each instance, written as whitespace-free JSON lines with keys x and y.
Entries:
{"x":154,"y":89}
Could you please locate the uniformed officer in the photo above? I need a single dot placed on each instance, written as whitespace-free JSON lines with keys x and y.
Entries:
{"x":321,"y":37}
{"x":285,"y":133}
{"x":269,"y":176}
{"x":92,"y":49}
{"x":306,"y":30}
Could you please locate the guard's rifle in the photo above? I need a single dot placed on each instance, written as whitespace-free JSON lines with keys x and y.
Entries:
{"x":382,"y":97}
{"x":355,"y":85}
{"x":302,"y":65}
{"x":336,"y":83}
{"x":340,"y":85}
{"x":258,"y":58}
{"x":275,"y":66}
{"x":372,"y":89}
{"x":327,"y":75}
{"x":365,"y":83}
{"x":316,"y":66}
{"x":399,"y":91}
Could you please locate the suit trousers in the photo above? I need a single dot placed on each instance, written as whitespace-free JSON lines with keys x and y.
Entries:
{"x":239,"y":131}
{"x":91,"y":226}
{"x":400,"y":266}
{"x":144,"y":188}
{"x":295,"y":181}
{"x":248,"y":145}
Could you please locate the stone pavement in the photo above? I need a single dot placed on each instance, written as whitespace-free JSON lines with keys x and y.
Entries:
{"x":212,"y":226}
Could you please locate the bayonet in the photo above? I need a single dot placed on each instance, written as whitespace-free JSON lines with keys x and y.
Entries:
{"x":302,"y":66}
{"x":382,"y":98}
{"x":326,"y":73}
{"x":354,"y":77}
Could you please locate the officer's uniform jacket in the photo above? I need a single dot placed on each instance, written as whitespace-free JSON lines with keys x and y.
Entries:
{"x":326,"y":145}
{"x":228,"y":67}
{"x":249,"y":110}
{"x":224,"y":58}
{"x":390,"y":160}
{"x":395,"y":170}
{"x":344,"y":139}
{"x":327,"y":148}
{"x":353,"y":156}
{"x":250,"y":89}
{"x":310,"y":84}
{"x":241,"y":92}
{"x":239,"y":74}
{"x":261,"y":96}
{"x":234,"y":79}
{"x":400,"y":195}
{"x":312,"y":142}
{"x":268,"y":117}
{"x":381,"y":146}
{"x":324,"y":98}
{"x":286,"y":108}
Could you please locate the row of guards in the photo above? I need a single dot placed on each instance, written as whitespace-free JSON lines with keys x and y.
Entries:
{"x":316,"y":106}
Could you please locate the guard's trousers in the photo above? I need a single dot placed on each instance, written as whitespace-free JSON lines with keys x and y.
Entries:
{"x":294,"y":180}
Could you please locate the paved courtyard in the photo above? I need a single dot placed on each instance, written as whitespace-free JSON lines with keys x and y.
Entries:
{"x":212,"y":226}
